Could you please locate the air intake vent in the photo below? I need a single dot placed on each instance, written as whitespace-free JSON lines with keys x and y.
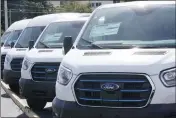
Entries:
{"x":96,"y":53}
{"x":45,"y":50}
{"x":150,"y":53}
{"x":20,"y":49}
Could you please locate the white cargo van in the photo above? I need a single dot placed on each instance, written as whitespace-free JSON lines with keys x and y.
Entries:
{"x":122,"y":64}
{"x":14,"y":58}
{"x":9,"y":38}
{"x":40,"y":71}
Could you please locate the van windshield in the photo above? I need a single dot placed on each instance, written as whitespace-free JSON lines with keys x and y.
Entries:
{"x":29,"y":33}
{"x":150,"y":26}
{"x":12,"y":38}
{"x":5,"y":36}
{"x":54,"y":34}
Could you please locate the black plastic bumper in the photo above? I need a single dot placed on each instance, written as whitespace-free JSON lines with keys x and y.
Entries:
{"x":65,"y":109}
{"x":11,"y":77}
{"x":39,"y":90}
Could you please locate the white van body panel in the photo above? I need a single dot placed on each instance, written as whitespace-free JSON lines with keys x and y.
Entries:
{"x":43,"y":20}
{"x":158,"y":98}
{"x":45,"y":55}
{"x":125,"y":60}
{"x":18,"y":25}
{"x":120,"y":61}
{"x":4,"y":50}
{"x":55,"y":55}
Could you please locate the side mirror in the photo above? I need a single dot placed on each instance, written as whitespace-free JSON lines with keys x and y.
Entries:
{"x":67,"y":44}
{"x":31,"y":44}
{"x":2,"y":43}
{"x":12,"y":44}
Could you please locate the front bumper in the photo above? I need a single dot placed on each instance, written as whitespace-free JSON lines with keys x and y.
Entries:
{"x":39,"y":89}
{"x":66,"y":109}
{"x":11,"y":77}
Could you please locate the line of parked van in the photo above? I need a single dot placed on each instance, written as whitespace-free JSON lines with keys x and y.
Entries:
{"x":117,"y":62}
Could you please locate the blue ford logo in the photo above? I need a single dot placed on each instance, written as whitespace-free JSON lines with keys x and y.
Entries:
{"x":110,"y":86}
{"x":50,"y":70}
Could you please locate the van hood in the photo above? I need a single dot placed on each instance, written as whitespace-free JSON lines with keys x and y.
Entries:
{"x":44,"y":55}
{"x":17,"y":52}
{"x":148,"y":61}
{"x":4,"y":50}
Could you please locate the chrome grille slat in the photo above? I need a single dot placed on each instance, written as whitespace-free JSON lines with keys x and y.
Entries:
{"x":135,"y":90}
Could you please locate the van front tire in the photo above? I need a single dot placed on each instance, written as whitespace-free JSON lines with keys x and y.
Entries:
{"x":14,"y":88}
{"x":36,"y":104}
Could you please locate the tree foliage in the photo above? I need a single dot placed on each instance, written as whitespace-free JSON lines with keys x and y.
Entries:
{"x":74,"y":7}
{"x":20,"y":9}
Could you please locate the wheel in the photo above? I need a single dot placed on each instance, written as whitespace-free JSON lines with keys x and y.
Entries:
{"x":36,"y":104}
{"x":14,"y":88}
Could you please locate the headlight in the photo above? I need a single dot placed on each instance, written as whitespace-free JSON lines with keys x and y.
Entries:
{"x":26,"y":64}
{"x":168,"y":77}
{"x":64,"y":75}
{"x":7,"y":58}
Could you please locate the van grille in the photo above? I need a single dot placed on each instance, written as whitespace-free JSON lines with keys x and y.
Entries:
{"x":2,"y":61}
{"x":16,"y":64}
{"x":134,"y":90}
{"x":39,"y":71}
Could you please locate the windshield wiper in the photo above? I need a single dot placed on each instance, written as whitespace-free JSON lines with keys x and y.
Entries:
{"x":157,"y":46}
{"x":92,"y":44}
{"x":20,"y":45}
{"x":44,"y":44}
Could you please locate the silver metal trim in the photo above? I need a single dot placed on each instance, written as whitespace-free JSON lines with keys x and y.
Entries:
{"x":147,"y":76}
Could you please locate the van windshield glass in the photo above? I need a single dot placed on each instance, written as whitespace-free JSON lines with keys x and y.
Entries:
{"x":150,"y":26}
{"x":5,"y":36}
{"x":29,"y":33}
{"x":12,"y":37}
{"x":54,"y":34}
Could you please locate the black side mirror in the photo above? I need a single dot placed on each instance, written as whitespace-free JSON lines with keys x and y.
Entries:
{"x":31,"y":44}
{"x":2,"y":43}
{"x":68,"y":43}
{"x":12,"y":44}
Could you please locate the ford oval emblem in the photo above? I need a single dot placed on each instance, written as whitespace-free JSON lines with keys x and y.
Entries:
{"x":110,"y":86}
{"x":50,"y":70}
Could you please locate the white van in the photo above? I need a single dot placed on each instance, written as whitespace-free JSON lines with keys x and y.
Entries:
{"x":40,"y":71}
{"x":17,"y":25}
{"x":9,"y":38}
{"x":14,"y":58}
{"x":122,"y":64}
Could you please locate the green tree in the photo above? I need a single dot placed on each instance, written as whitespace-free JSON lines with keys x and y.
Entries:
{"x":74,"y":7}
{"x":20,"y":9}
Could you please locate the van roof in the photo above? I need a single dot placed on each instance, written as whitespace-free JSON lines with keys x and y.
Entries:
{"x":18,"y":25}
{"x":72,"y":19}
{"x":136,"y":3}
{"x":44,"y":20}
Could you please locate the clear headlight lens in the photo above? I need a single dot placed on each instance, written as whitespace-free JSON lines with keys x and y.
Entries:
{"x":7,"y":58}
{"x":26,"y":64}
{"x":168,"y":77}
{"x":64,"y":75}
